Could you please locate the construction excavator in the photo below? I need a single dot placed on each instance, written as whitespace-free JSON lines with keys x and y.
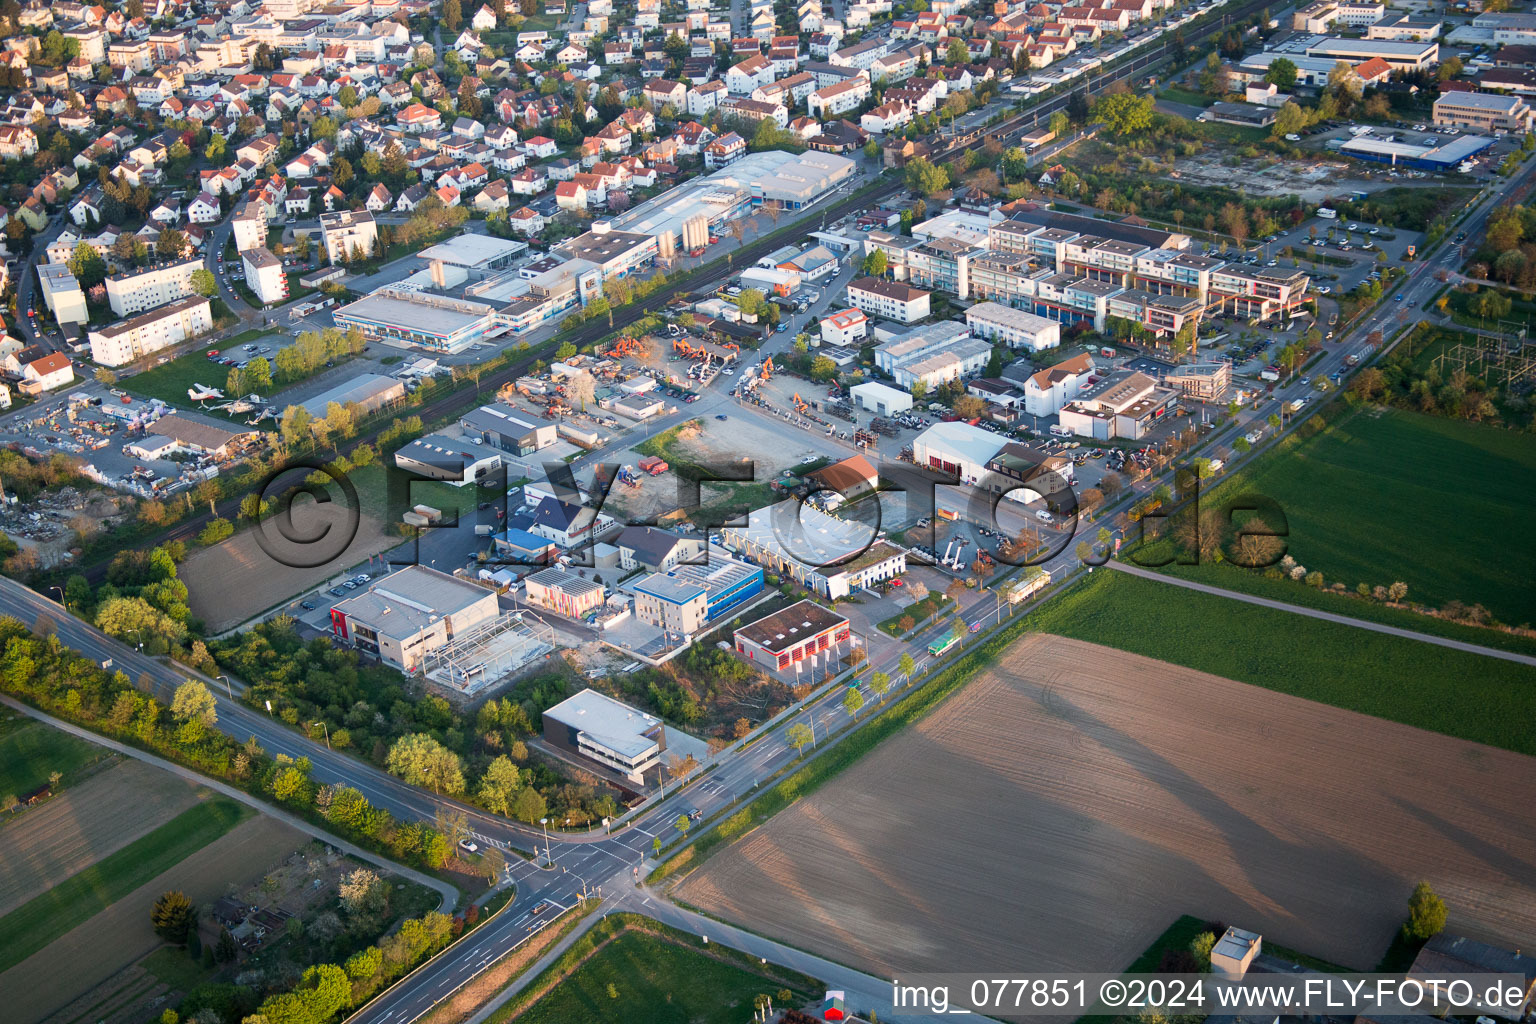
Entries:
{"x":627,"y":347}
{"x":688,"y":350}
{"x":801,"y":405}
{"x":767,"y":373}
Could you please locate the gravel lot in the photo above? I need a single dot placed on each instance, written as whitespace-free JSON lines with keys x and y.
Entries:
{"x":1061,"y":811}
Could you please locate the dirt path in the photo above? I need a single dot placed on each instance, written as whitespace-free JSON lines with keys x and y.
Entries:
{"x":1062,"y":810}
{"x":84,"y":824}
{"x":120,"y":935}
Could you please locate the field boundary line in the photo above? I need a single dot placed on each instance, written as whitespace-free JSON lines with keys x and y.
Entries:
{"x":1315,"y":613}
{"x":449,"y":893}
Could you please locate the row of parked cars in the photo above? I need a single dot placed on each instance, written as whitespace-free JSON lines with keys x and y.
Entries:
{"x":341,"y":590}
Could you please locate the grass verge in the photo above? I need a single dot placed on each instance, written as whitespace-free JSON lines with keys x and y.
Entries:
{"x":933,"y":604}
{"x":1386,"y":495}
{"x":39,"y":921}
{"x":1470,"y":696}
{"x":634,"y":970}
{"x":30,"y":752}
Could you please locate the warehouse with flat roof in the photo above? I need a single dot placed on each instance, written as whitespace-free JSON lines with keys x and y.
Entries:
{"x":368,"y":391}
{"x":475,"y":251}
{"x":607,"y":731}
{"x":1441,"y":158}
{"x":432,"y":322}
{"x":405,"y":616}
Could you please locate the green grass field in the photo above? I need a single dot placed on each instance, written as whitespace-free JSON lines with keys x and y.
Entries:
{"x":1467,"y":695}
{"x":1385,"y":496}
{"x":639,"y":978}
{"x":30,"y":752}
{"x":38,"y":922}
{"x":169,"y":381}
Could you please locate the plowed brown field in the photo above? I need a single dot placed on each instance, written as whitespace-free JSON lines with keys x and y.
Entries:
{"x":83,"y":824}
{"x":1061,"y":811}
{"x":111,"y":940}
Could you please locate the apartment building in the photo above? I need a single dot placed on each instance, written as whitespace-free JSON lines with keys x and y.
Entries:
{"x":133,"y":339}
{"x":138,"y":290}
{"x":889,"y":300}
{"x":1012,"y":327}
{"x":264,"y":274}
{"x":346,"y":232}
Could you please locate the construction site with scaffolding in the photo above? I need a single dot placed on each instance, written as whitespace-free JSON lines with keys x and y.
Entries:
{"x":485,"y":655}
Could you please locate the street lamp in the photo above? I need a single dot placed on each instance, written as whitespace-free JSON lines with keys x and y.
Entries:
{"x":327,"y":729}
{"x":227,"y":687}
{"x":548,"y":857}
{"x":61,"y":596}
{"x":140,"y":635}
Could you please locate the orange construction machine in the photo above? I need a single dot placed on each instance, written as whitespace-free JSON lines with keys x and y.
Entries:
{"x":627,"y":347}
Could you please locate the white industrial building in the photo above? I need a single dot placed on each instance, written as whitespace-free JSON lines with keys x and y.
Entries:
{"x":831,"y":556}
{"x":957,"y":448}
{"x":401,"y":618}
{"x":129,"y":340}
{"x":932,"y":355}
{"x":1013,"y":327}
{"x":880,"y":399}
{"x":609,"y":732}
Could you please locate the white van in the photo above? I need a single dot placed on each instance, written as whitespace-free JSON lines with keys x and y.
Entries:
{"x":1057,"y":430}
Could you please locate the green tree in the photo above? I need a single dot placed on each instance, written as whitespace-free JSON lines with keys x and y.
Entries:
{"x":879,"y":684}
{"x":193,"y":703}
{"x":203,"y":282}
{"x":853,"y":700}
{"x":453,"y":15}
{"x":906,"y":666}
{"x":87,"y":265}
{"x":499,"y":785}
{"x":1060,"y":123}
{"x":1124,"y":113}
{"x":1201,"y":946}
{"x":798,"y":735}
{"x":422,"y":761}
{"x":565,"y":351}
{"x":1290,"y":119}
{"x":258,"y":374}
{"x":529,"y":805}
{"x":876,"y":263}
{"x":218,"y":529}
{"x":956,"y":52}
{"x":1426,"y":913}
{"x":173,"y":916}
{"x":924,"y":177}
{"x":682,"y":824}
{"x":1281,"y":74}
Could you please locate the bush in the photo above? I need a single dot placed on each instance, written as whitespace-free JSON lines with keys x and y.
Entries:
{"x":216,"y":531}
